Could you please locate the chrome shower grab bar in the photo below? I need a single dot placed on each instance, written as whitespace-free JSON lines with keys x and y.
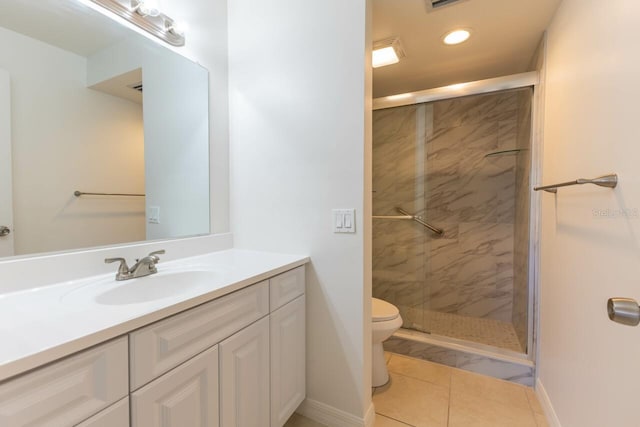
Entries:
{"x":407,"y":216}
{"x":436,"y":230}
{"x":81,"y":193}
{"x":609,"y":181}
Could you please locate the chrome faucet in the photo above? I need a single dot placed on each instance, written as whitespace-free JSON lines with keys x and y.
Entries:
{"x":142,"y":267}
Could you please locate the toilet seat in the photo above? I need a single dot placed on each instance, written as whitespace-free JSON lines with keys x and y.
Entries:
{"x":382,"y":311}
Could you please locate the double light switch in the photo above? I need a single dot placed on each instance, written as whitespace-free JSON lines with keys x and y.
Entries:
{"x":344,"y":220}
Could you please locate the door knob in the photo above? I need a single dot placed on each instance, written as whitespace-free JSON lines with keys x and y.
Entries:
{"x":624,"y":310}
{"x":4,"y":231}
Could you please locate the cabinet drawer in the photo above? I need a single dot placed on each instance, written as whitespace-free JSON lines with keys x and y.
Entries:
{"x":286,"y":287}
{"x":164,"y":345}
{"x":186,"y":396}
{"x":114,"y":416}
{"x":69,"y":391}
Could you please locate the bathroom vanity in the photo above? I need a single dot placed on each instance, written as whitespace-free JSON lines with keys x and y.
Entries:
{"x":213,"y":340}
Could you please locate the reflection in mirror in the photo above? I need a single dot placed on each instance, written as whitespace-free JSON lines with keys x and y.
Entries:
{"x":87,"y":104}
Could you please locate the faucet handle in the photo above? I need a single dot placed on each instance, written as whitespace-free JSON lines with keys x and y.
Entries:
{"x":123,"y":268}
{"x":155,"y":257}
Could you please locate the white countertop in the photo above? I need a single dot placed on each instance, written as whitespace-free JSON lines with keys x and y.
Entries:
{"x":40,"y":325}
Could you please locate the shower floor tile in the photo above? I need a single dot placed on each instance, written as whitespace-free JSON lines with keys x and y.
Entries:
{"x":484,"y":331}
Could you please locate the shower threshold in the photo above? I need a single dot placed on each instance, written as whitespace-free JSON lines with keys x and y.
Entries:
{"x":464,"y":346}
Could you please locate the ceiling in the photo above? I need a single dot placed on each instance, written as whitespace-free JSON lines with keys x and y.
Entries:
{"x":67,"y":24}
{"x":505,"y":35}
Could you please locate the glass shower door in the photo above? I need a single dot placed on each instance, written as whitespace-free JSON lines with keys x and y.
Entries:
{"x":399,"y":160}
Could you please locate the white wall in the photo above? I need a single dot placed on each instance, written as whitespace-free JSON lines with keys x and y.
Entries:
{"x":590,"y":243}
{"x":61,"y":143}
{"x":298,"y":149}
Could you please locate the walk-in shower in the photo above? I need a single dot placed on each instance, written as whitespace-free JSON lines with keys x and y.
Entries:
{"x":451,"y":228}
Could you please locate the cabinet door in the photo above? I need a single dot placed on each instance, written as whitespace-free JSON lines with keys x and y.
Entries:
{"x":185,"y":396}
{"x":244,"y":377}
{"x":287,"y":360}
{"x":116,"y":415}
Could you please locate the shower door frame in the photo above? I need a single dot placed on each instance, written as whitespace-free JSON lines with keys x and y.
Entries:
{"x":516,"y":81}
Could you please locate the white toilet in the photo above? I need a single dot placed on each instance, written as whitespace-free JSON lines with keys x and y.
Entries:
{"x":386,"y":320}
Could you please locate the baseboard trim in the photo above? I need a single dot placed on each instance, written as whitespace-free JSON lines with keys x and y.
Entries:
{"x":370,"y":416}
{"x":330,"y":416}
{"x":544,"y":400}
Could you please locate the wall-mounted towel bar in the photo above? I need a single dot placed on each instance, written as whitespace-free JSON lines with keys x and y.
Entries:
{"x":609,"y":181}
{"x":82,"y":193}
{"x":407,"y":216}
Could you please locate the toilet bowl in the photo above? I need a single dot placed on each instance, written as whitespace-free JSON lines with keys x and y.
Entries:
{"x":386,"y":320}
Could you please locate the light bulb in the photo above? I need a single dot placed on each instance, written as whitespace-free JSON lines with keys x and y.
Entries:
{"x":178,"y":28}
{"x":148,"y":7}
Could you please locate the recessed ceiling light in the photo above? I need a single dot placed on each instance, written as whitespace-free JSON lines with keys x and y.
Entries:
{"x":456,"y":36}
{"x":387,"y":52}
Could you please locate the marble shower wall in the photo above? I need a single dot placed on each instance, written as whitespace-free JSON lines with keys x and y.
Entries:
{"x":430,"y":159}
{"x":522,"y":220}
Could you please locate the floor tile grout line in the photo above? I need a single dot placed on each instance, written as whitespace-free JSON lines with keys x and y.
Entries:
{"x":395,"y":419}
{"x":419,"y":379}
{"x":439,"y":365}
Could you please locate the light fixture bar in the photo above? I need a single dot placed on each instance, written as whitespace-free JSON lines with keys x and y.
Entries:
{"x":159,"y":25}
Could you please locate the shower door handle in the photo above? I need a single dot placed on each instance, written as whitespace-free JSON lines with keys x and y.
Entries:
{"x":4,"y":231}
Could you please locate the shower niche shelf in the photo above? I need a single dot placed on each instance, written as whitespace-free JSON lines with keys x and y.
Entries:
{"x":503,"y":153}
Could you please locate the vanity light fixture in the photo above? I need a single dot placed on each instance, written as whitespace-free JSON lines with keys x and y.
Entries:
{"x":387,"y":52}
{"x":456,"y":36}
{"x":146,"y":14}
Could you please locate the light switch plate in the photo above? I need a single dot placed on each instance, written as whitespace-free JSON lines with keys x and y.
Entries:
{"x":154,"y":215}
{"x":344,"y":220}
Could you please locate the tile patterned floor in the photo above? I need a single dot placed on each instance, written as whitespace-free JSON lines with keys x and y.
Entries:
{"x":484,"y":331}
{"x":425,"y":394}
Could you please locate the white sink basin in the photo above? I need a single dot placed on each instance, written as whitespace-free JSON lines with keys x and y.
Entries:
{"x":144,"y":289}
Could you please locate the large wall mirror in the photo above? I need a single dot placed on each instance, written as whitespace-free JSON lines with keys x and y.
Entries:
{"x":89,"y":105}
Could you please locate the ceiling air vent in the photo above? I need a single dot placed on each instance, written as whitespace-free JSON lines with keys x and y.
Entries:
{"x":433,"y":5}
{"x":136,"y":86}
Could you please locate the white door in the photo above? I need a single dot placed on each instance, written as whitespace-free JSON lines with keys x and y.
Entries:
{"x":244,"y":377}
{"x":6,"y":204}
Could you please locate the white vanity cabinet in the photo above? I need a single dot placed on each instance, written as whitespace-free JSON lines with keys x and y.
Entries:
{"x":166,"y":344}
{"x":235,"y":361}
{"x":67,"y":392}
